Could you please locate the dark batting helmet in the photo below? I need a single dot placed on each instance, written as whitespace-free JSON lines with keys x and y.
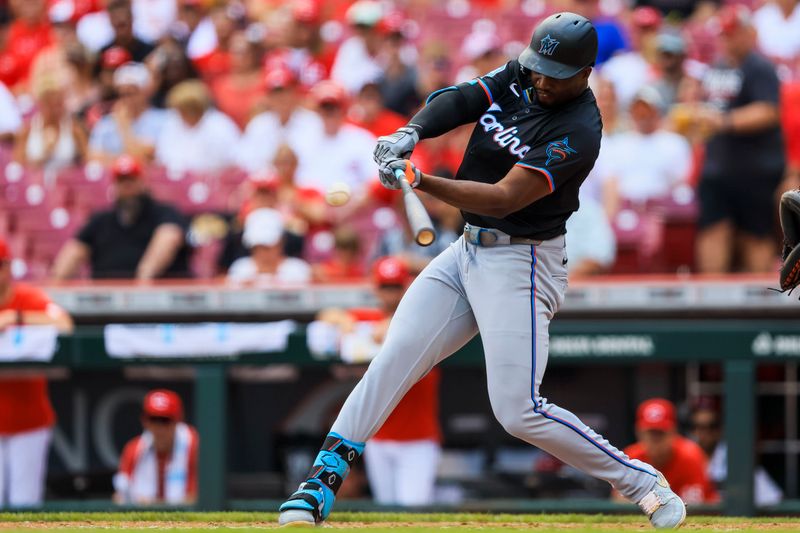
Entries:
{"x":561,"y":46}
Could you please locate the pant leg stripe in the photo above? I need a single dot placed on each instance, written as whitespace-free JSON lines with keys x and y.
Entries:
{"x":536,"y":404}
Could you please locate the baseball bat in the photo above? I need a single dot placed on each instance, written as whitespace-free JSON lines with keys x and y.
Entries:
{"x":418,"y":218}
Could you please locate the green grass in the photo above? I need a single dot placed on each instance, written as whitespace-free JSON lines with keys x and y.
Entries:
{"x":237,"y":522}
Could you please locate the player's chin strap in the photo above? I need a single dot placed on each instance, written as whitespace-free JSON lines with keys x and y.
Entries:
{"x":327,"y":474}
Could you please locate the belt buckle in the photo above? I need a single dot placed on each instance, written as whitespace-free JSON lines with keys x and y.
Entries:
{"x":491,"y":237}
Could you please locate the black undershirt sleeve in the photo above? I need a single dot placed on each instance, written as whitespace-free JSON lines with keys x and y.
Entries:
{"x":450,"y":108}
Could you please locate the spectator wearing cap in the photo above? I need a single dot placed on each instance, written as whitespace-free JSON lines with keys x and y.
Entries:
{"x":304,"y":210}
{"x":340,"y":151}
{"x":357,"y":60}
{"x":133,"y":125}
{"x":138,"y":237}
{"x":744,"y":157}
{"x":629,"y":71}
{"x":284,"y":122}
{"x":26,"y":415}
{"x":706,"y":431}
{"x":681,"y":460}
{"x":160,"y":465}
{"x":196,"y":137}
{"x":267,"y":263}
{"x":111,"y":27}
{"x":27,"y":35}
{"x":346,"y":262}
{"x":670,"y":63}
{"x":51,"y":140}
{"x":401,"y":459}
{"x":239,"y":92}
{"x":482,"y":49}
{"x":646,"y":163}
{"x":777,"y":23}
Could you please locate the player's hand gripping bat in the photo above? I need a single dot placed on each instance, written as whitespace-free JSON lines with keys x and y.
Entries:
{"x":418,"y":218}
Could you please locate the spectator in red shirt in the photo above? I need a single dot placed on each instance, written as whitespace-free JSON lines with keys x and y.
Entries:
{"x":369,"y":112}
{"x":29,"y":34}
{"x":26,"y":415}
{"x":238,"y":92}
{"x":160,"y":465}
{"x":346,"y":263}
{"x":681,"y":460}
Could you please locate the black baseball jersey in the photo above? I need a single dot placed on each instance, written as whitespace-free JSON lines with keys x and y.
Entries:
{"x":561,"y":143}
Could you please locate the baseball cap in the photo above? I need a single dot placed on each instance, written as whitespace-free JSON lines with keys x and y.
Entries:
{"x":328,"y":92}
{"x":61,"y":12}
{"x":734,"y":17}
{"x":479,"y":43}
{"x":650,"y":96}
{"x":646,"y":17}
{"x":263,"y":181}
{"x":5,"y":251}
{"x":364,"y":13}
{"x":126,"y":166}
{"x":671,"y":43}
{"x":305,"y":11}
{"x":165,"y":403}
{"x":391,"y":271}
{"x":279,"y":77}
{"x":656,"y":413}
{"x":262,"y":227}
{"x":132,"y":73}
{"x":115,"y":57}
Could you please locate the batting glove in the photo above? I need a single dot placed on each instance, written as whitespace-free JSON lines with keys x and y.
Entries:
{"x":399,"y":144}
{"x":388,"y":168}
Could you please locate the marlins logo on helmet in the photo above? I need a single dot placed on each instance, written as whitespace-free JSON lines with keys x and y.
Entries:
{"x":548,"y":45}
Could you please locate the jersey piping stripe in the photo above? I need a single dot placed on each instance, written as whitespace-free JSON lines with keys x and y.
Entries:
{"x":486,"y":90}
{"x":546,"y":173}
{"x":437,"y":92}
{"x":536,"y":405}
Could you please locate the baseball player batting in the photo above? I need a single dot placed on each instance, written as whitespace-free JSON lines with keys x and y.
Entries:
{"x":536,"y":138}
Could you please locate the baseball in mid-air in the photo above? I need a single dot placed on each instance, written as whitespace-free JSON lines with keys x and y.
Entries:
{"x":337,"y":194}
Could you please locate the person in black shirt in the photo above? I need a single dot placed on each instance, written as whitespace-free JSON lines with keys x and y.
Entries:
{"x":745,"y":161}
{"x":120,"y":16}
{"x":536,"y":137}
{"x":138,"y":238}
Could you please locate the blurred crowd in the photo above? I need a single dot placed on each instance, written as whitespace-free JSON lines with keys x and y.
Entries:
{"x":199,"y":138}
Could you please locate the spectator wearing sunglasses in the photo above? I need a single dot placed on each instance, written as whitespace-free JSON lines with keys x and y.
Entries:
{"x":160,"y":465}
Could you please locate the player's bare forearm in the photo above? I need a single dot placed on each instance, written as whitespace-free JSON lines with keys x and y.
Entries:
{"x":515,"y":191}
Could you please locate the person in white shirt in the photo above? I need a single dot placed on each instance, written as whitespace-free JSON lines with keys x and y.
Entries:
{"x":267,"y":264}
{"x":10,"y":117}
{"x":195,"y":137}
{"x":284,"y":123}
{"x":357,"y":61}
{"x":778,"y":25}
{"x":591,"y":243}
{"x":646,"y":163}
{"x":342,"y":152}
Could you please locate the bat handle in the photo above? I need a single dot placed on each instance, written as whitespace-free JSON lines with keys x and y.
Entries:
{"x":418,"y":218}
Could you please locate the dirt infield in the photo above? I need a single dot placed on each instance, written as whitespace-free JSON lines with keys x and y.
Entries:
{"x":417,"y":523}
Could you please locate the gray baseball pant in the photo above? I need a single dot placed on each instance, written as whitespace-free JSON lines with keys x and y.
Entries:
{"x":506,"y":292}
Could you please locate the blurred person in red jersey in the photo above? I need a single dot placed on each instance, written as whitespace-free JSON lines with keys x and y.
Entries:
{"x":299,"y":45}
{"x":346,"y":262}
{"x":681,"y":460}
{"x":225,"y":18}
{"x":26,"y":415}
{"x":368,"y":112}
{"x":132,"y":126}
{"x":196,"y":137}
{"x":138,"y":238}
{"x":29,"y":34}
{"x":402,"y":458}
{"x":52,"y":139}
{"x":160,"y":465}
{"x":630,"y":71}
{"x":267,"y":264}
{"x":238,"y":92}
{"x":357,"y":60}
{"x":744,"y":157}
{"x":284,"y":122}
{"x":706,"y":430}
{"x":341,"y":151}
{"x":790,"y":117}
